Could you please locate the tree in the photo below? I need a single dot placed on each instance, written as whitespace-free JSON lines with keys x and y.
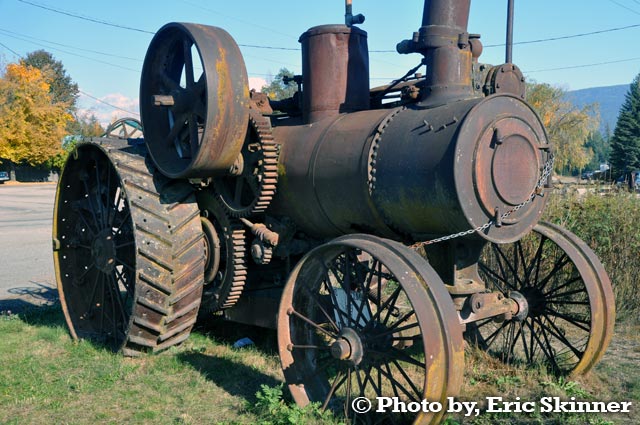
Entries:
{"x":277,"y":89}
{"x":61,"y":86}
{"x":600,"y":147}
{"x":625,"y":143}
{"x":85,"y":125}
{"x":32,"y":125}
{"x":567,"y":125}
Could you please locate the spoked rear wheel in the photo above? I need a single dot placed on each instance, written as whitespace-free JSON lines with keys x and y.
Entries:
{"x":128,"y":250}
{"x":367,"y":317}
{"x":567,"y":304}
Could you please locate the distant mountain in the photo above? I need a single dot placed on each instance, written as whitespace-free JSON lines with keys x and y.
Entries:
{"x":609,"y":98}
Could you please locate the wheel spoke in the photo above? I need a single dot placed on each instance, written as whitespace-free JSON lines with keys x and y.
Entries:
{"x":337,"y":382}
{"x":559,"y":264}
{"x":178,"y":124}
{"x":582,"y":324}
{"x":562,"y":286}
{"x":558,"y":334}
{"x":194,"y":136}
{"x":313,"y":324}
{"x":502,"y":256}
{"x":188,"y":63}
{"x":498,"y":277}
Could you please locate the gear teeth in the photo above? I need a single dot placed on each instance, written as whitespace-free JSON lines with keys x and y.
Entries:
{"x":226,"y":291}
{"x":266,"y":179}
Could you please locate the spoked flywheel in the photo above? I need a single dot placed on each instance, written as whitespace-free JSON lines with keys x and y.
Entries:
{"x":194,"y":100}
{"x":366,"y":317}
{"x":128,"y":250}
{"x":567,"y":308}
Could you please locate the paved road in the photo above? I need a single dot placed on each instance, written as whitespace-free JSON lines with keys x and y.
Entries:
{"x":26,"y":261}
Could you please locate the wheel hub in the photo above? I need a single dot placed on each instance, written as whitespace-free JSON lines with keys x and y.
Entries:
{"x":103,"y":251}
{"x":523,"y":305}
{"x":535,"y":301}
{"x":348,"y":347}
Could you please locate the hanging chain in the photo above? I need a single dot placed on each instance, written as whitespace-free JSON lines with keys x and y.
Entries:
{"x":537,"y":191}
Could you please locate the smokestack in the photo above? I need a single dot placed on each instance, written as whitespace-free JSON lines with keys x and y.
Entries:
{"x":444,"y":41}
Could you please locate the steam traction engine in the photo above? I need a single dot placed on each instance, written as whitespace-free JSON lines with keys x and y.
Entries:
{"x":372,"y":227}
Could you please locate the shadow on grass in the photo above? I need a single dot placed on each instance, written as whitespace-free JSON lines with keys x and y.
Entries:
{"x":38,"y":305}
{"x":235,"y":378}
{"x":265,"y":340}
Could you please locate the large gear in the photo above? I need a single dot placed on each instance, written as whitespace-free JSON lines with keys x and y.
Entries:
{"x":251,"y":188}
{"x":227,"y":283}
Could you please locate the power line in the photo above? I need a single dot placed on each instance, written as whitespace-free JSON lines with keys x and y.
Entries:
{"x":72,"y":53}
{"x":625,"y":7}
{"x":107,"y":103}
{"x":73,"y":15}
{"x":2,"y":30}
{"x":11,"y":50}
{"x":101,"y":22}
{"x":80,"y":91}
{"x":252,"y":24}
{"x":565,"y":37}
{"x":584,"y":65}
{"x":543,"y":40}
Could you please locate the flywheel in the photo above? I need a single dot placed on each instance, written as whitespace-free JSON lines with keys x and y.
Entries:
{"x":194,"y":100}
{"x":128,"y":250}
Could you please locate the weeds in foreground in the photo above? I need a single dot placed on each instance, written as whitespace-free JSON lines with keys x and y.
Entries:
{"x":610,"y":225}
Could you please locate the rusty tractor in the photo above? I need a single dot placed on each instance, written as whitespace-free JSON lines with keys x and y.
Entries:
{"x":375,"y":229}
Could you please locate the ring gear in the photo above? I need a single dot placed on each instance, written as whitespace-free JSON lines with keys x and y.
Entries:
{"x":228,"y":282}
{"x":252,"y":185}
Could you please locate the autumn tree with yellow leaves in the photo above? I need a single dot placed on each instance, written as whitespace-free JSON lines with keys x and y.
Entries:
{"x":568,"y":126}
{"x":33,"y":124}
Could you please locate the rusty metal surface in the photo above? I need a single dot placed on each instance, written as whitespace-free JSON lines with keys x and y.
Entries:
{"x":196,"y":129}
{"x":506,"y":146}
{"x":249,"y":189}
{"x":444,"y":42}
{"x":335,"y":66}
{"x":228,"y":282}
{"x":323,"y":174}
{"x":127,"y":250}
{"x":367,"y":300}
{"x":566,"y":308}
{"x":505,"y":79}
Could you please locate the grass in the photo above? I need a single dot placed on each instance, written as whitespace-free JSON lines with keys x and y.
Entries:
{"x":48,"y":378}
{"x":45,"y":377}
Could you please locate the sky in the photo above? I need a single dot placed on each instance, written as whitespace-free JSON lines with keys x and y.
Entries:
{"x":103,"y":49}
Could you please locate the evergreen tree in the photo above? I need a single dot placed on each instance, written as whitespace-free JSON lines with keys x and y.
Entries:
{"x":625,"y":143}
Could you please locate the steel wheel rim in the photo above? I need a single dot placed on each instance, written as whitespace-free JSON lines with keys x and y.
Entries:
{"x":382,"y":368}
{"x":570,"y":302}
{"x":95,"y":260}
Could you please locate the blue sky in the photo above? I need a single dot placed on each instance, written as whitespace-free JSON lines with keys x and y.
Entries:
{"x":106,"y":61}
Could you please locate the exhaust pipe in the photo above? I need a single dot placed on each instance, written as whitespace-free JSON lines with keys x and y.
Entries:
{"x":444,"y":41}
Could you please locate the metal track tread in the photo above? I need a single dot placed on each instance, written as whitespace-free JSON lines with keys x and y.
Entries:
{"x":155,"y":286}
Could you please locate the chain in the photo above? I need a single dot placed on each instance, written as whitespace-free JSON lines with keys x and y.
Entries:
{"x":537,"y":191}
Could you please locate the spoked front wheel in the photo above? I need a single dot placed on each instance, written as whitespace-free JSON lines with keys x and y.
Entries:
{"x":567,"y":307}
{"x":364,"y":317}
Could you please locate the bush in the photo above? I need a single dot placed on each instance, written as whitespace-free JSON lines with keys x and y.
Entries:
{"x":610,"y":225}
